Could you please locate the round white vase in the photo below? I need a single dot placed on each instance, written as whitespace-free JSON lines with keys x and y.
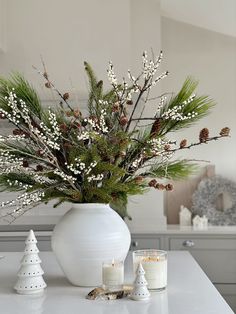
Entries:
{"x":85,"y":237}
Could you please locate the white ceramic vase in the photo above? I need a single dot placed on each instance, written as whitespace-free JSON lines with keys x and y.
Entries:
{"x":85,"y":237}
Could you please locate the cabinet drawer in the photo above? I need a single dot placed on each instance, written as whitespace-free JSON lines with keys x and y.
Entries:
{"x":145,"y":243}
{"x":202,"y":243}
{"x":217,"y":257}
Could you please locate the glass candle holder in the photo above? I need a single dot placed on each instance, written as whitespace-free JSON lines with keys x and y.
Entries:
{"x":113,"y":275}
{"x":154,"y":263}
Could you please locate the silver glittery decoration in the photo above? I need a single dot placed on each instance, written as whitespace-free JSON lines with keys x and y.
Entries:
{"x":205,"y":199}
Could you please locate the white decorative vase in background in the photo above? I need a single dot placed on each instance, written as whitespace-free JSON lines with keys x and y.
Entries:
{"x":85,"y":237}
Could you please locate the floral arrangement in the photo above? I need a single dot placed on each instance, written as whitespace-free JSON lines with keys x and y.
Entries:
{"x":103,"y":156}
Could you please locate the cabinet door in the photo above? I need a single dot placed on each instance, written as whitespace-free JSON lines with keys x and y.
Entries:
{"x":139,"y":243}
{"x":217,"y":256}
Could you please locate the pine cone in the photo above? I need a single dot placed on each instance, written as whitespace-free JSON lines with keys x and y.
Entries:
{"x":48,"y":85}
{"x":225,"y":131}
{"x":152,"y":183}
{"x":123,"y":120}
{"x":40,"y":152}
{"x":17,"y":132}
{"x":66,"y":96}
{"x":45,"y":75}
{"x":160,"y":186}
{"x":129,"y":102}
{"x":169,"y":187}
{"x":156,"y":127}
{"x":204,"y":135}
{"x":183,"y":143}
{"x":39,"y":168}
{"x":167,"y":147}
{"x":25,"y":163}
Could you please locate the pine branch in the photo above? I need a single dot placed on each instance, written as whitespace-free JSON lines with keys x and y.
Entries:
{"x":175,"y":170}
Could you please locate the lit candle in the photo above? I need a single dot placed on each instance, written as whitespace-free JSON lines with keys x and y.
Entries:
{"x":113,"y":275}
{"x":154,"y":263}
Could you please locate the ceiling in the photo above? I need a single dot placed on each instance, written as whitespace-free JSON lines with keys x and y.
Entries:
{"x":214,"y":15}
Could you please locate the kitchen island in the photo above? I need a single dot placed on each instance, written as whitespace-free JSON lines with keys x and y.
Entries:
{"x":189,"y":291}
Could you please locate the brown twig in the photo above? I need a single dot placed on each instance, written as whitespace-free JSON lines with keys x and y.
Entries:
{"x":214,"y":138}
{"x":52,"y":85}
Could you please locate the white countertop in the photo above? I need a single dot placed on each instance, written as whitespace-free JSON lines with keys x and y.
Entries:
{"x":189,"y":291}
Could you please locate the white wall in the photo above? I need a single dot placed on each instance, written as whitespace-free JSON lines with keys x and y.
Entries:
{"x":209,"y":57}
{"x":215,"y":15}
{"x":66,"y":33}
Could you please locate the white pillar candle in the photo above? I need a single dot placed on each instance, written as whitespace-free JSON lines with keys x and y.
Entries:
{"x":154,"y":263}
{"x":113,"y":274}
{"x":155,"y":273}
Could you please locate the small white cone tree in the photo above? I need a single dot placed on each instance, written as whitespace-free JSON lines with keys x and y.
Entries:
{"x":30,"y":279}
{"x":140,"y":291}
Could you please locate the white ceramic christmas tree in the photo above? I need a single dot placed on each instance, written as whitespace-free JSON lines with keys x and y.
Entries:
{"x":30,"y":279}
{"x":140,"y":291}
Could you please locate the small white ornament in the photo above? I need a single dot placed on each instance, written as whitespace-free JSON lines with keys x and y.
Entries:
{"x":204,"y":222}
{"x":185,"y":216}
{"x":200,"y":223}
{"x":140,"y":291}
{"x":30,"y":279}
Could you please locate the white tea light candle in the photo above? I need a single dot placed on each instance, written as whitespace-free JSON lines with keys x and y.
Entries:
{"x":113,"y":275}
{"x":154,"y":263}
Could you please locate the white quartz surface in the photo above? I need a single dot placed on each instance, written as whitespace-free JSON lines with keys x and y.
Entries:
{"x":189,"y":291}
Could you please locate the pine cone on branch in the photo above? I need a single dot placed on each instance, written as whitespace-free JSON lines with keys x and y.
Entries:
{"x":169,"y":187}
{"x":156,"y":127}
{"x":39,"y":168}
{"x":160,"y":186}
{"x":123,"y":120}
{"x":225,"y":131}
{"x":48,"y":85}
{"x":204,"y":135}
{"x":152,"y":183}
{"x":66,"y":96}
{"x":183,"y":143}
